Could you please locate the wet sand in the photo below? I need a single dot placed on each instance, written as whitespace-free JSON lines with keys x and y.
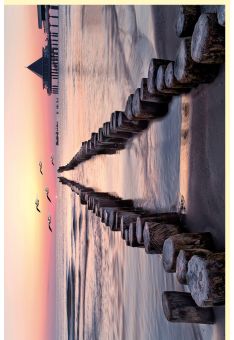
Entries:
{"x":205,"y":143}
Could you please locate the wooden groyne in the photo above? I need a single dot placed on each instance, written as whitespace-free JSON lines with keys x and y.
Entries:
{"x":201,"y":50}
{"x":191,"y":256}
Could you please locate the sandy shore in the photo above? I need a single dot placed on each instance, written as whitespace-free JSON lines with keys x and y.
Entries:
{"x":202,"y":169}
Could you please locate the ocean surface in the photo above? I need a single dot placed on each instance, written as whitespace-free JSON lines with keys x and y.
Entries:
{"x":104,"y":289}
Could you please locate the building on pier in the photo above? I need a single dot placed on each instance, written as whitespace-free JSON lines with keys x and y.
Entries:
{"x":44,"y":15}
{"x":46,"y":67}
{"x":42,"y":68}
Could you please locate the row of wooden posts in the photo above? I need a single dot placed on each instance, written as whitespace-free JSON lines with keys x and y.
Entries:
{"x":54,"y":41}
{"x":190,"y":255}
{"x":201,"y":50}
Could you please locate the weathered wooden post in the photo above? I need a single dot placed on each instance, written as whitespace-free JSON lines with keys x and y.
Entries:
{"x":115,"y":217}
{"x":132,"y":236}
{"x":147,"y":110}
{"x":180,"y":307}
{"x":221,"y":15}
{"x":83,"y":193}
{"x":169,"y":218}
{"x":175,"y":243}
{"x":188,"y":71}
{"x":206,"y":279}
{"x":114,"y":203}
{"x":208,"y":40}
{"x":182,"y":262}
{"x":126,"y":219}
{"x":161,"y":83}
{"x":155,"y":234}
{"x":112,"y":134}
{"x":128,"y":109}
{"x":126,"y":237}
{"x":124,"y":124}
{"x":186,"y":20}
{"x":152,"y":74}
{"x":146,"y":96}
{"x":171,"y":81}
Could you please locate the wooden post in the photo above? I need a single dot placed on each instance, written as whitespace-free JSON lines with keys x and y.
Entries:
{"x":208,"y":40}
{"x":105,"y":202}
{"x":124,"y":218}
{"x":106,"y":214}
{"x":171,"y":82}
{"x":155,"y":234}
{"x":188,"y":71}
{"x":146,"y":96}
{"x":175,"y":243}
{"x":124,"y":124}
{"x":221,"y":15}
{"x":152,"y":74}
{"x":126,"y":237}
{"x":180,"y":307}
{"x":170,"y":218}
{"x":132,"y":236}
{"x":186,"y":20}
{"x":147,"y":110}
{"x":161,"y":84}
{"x":115,"y":217}
{"x":206,"y":279}
{"x":111,"y":133}
{"x":182,"y":262}
{"x":128,"y":109}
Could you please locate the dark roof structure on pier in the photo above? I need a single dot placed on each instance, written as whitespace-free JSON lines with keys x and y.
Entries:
{"x":42,"y":68}
{"x":37,"y":67}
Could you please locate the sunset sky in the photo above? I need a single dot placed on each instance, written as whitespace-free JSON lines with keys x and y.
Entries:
{"x":29,"y":138}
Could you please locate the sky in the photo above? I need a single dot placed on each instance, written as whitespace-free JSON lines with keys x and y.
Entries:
{"x":29,"y":137}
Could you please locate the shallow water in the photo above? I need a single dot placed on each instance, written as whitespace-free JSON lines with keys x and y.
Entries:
{"x":106,"y":290}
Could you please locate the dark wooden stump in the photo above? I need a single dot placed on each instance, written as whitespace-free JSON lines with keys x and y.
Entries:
{"x":146,"y":96}
{"x":106,"y":214}
{"x":180,"y":307}
{"x":128,"y":109}
{"x":121,"y":123}
{"x":169,"y":218}
{"x":112,"y":133}
{"x":127,"y":214}
{"x":161,"y":84}
{"x":186,"y":20}
{"x":125,"y":218}
{"x":152,"y":74}
{"x":175,"y":243}
{"x":208,"y":40}
{"x":90,"y":197}
{"x":155,"y":234}
{"x":182,"y":262}
{"x":132,"y":236}
{"x":147,"y":110}
{"x":221,"y":15}
{"x":124,"y":124}
{"x":206,"y":279}
{"x":109,"y":142}
{"x":171,"y":81}
{"x":188,"y":71}
{"x":126,"y":237}
{"x":83,"y":194}
{"x":111,"y":202}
